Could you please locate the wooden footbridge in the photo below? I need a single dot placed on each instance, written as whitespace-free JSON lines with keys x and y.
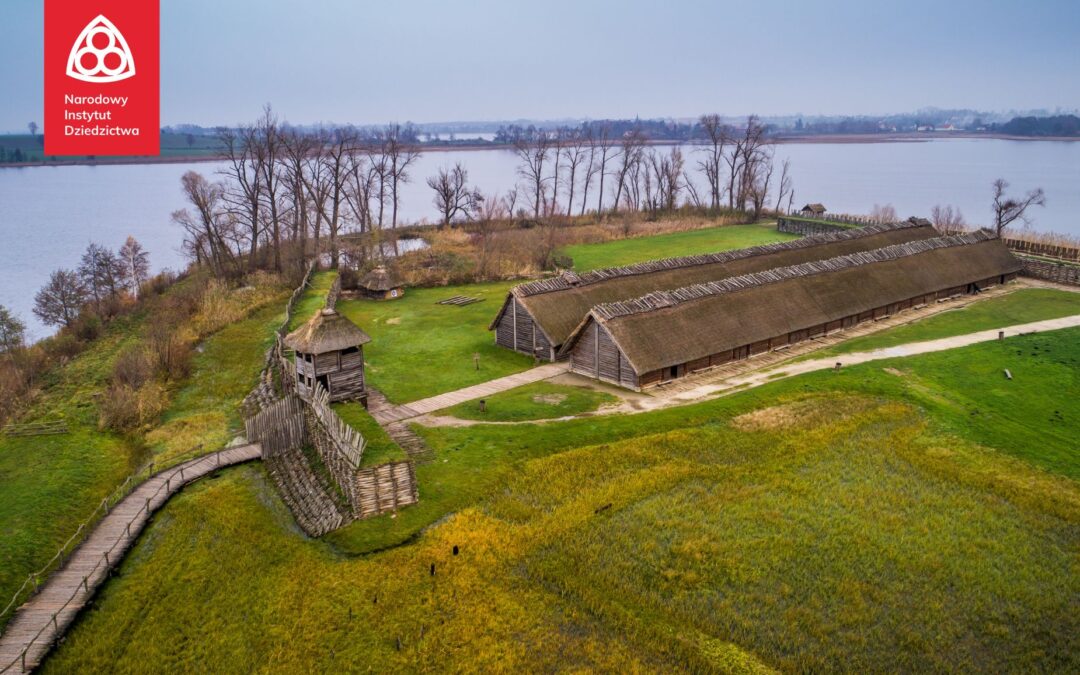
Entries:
{"x":42,"y":620}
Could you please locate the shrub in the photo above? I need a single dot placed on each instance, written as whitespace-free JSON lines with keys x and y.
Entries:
{"x":87,"y":327}
{"x":171,"y":353}
{"x":62,"y":347}
{"x":132,"y":367}
{"x":124,"y":408}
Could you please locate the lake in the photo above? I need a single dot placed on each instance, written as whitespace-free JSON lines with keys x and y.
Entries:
{"x":49,"y":214}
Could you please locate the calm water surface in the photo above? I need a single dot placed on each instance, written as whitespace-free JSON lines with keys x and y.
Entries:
{"x":49,"y":214}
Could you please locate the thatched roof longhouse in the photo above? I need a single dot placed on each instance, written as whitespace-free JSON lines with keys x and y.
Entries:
{"x":558,"y":305}
{"x":663,"y":328}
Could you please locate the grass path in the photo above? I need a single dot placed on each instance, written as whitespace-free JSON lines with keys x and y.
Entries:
{"x":674,"y":244}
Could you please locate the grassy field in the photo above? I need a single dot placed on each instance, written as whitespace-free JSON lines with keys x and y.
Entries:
{"x":420,"y":348}
{"x":49,"y":484}
{"x":918,"y":514}
{"x":537,"y":401}
{"x":1022,"y":306}
{"x":846,"y":226}
{"x":690,"y":242}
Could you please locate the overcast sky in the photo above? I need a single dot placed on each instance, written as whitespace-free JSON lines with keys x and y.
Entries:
{"x":371,"y":62}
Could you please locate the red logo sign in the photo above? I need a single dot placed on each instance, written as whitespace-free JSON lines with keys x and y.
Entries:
{"x":101,"y":77}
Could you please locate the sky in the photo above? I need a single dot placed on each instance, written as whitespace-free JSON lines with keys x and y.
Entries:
{"x":365,"y":62}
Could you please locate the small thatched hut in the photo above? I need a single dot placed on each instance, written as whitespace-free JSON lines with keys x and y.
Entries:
{"x":667,"y":334}
{"x":381,"y":284}
{"x":329,"y":350}
{"x":815,"y":209}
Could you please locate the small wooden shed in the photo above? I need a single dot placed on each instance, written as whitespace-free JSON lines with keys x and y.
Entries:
{"x":381,"y":284}
{"x":330,"y":350}
{"x":813,"y":210}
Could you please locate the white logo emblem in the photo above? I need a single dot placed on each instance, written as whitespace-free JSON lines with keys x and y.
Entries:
{"x":100,"y":54}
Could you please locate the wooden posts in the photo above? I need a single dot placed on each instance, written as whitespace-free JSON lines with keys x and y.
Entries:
{"x":483,"y":406}
{"x":1001,"y":335}
{"x":836,"y":368}
{"x":476,"y":359}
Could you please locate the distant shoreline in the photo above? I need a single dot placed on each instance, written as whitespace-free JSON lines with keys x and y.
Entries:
{"x":904,"y":137}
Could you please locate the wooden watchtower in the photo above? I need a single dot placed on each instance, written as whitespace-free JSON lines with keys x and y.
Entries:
{"x":330,"y":350}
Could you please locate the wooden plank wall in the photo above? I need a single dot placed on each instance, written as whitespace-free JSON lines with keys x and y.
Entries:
{"x":516,"y":330}
{"x":384,"y":488}
{"x":277,"y":427}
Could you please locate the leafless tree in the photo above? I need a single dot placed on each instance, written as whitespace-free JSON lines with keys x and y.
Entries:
{"x":511,"y":200}
{"x":946,"y":218}
{"x":759,"y":172}
{"x":205,"y":226}
{"x":452,"y":195}
{"x":33,"y":127}
{"x":244,"y":157}
{"x":297,"y":148}
{"x":573,"y":151}
{"x":784,"y":187}
{"x":99,"y":274}
{"x":268,"y":135}
{"x":717,"y":136}
{"x":401,"y":153}
{"x":534,"y":153}
{"x":883,"y":214}
{"x":335,"y":174}
{"x":602,"y":141}
{"x":630,"y":154}
{"x":1007,"y":210}
{"x":665,"y":175}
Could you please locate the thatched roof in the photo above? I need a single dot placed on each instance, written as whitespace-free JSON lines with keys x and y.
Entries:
{"x":559,"y":304}
{"x":916,"y":220}
{"x":815,"y":208}
{"x":326,"y":331}
{"x":671,"y":327}
{"x":380,"y":279}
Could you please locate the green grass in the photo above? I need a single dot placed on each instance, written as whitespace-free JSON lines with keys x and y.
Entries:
{"x":1033,"y":417}
{"x":50,"y":484}
{"x":846,"y":226}
{"x":205,"y":414}
{"x":419,"y":348}
{"x":855,"y":521}
{"x":536,"y":401}
{"x":313,"y":298}
{"x":690,"y":242}
{"x":380,"y":448}
{"x":1022,"y":306}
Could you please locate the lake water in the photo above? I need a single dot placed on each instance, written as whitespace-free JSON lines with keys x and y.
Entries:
{"x":49,"y":214}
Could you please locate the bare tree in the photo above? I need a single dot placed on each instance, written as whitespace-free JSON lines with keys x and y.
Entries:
{"x":883,"y":214}
{"x":452,"y":195}
{"x":204,"y":228}
{"x":58,"y":302}
{"x":245,"y":157}
{"x":602,"y":141}
{"x":534,"y":153}
{"x":401,"y":153}
{"x":759,"y":172}
{"x":574,"y":153}
{"x":335,"y":173}
{"x":135,"y":263}
{"x":33,"y":127}
{"x":1007,"y":210}
{"x":268,"y":136}
{"x":717,"y":136}
{"x":946,"y":218}
{"x":784,"y":187}
{"x":297,"y":147}
{"x":630,"y":156}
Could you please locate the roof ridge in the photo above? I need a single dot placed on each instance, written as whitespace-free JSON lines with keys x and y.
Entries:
{"x":662,"y":299}
{"x":565,"y":281}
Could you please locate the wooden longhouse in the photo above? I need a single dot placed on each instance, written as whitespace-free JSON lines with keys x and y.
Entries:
{"x":381,"y":284}
{"x":667,"y":334}
{"x":537,"y":317}
{"x":813,"y":210}
{"x":330,"y":350}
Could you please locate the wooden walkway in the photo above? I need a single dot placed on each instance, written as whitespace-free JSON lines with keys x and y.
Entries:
{"x":429,"y":405}
{"x":42,"y":620}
